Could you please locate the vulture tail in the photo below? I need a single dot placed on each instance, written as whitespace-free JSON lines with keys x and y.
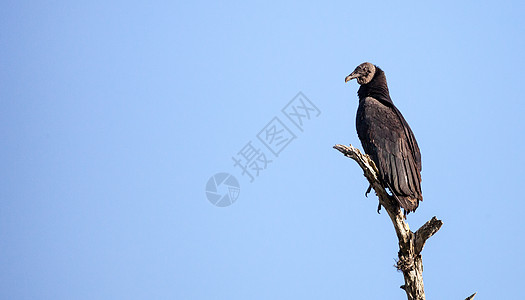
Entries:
{"x":408,"y":203}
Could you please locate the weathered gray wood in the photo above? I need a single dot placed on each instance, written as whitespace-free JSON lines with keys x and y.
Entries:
{"x":410,"y":244}
{"x":425,"y":232}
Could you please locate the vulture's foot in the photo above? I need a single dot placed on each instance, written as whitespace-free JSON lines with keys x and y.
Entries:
{"x":379,"y":208}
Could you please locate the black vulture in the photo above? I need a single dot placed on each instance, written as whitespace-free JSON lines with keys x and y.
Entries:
{"x":387,"y":138}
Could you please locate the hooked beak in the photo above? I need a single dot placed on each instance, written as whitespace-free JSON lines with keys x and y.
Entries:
{"x":351,"y":76}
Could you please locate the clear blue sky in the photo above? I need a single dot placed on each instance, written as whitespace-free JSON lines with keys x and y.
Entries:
{"x":116,"y":114}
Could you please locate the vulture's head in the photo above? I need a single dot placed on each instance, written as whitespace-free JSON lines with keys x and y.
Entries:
{"x":364,"y":73}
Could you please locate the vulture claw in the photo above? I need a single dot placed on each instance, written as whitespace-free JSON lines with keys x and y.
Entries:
{"x":368,"y":191}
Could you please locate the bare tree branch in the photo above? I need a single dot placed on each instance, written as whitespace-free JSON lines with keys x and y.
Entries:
{"x":410,"y":244}
{"x":425,"y":232}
